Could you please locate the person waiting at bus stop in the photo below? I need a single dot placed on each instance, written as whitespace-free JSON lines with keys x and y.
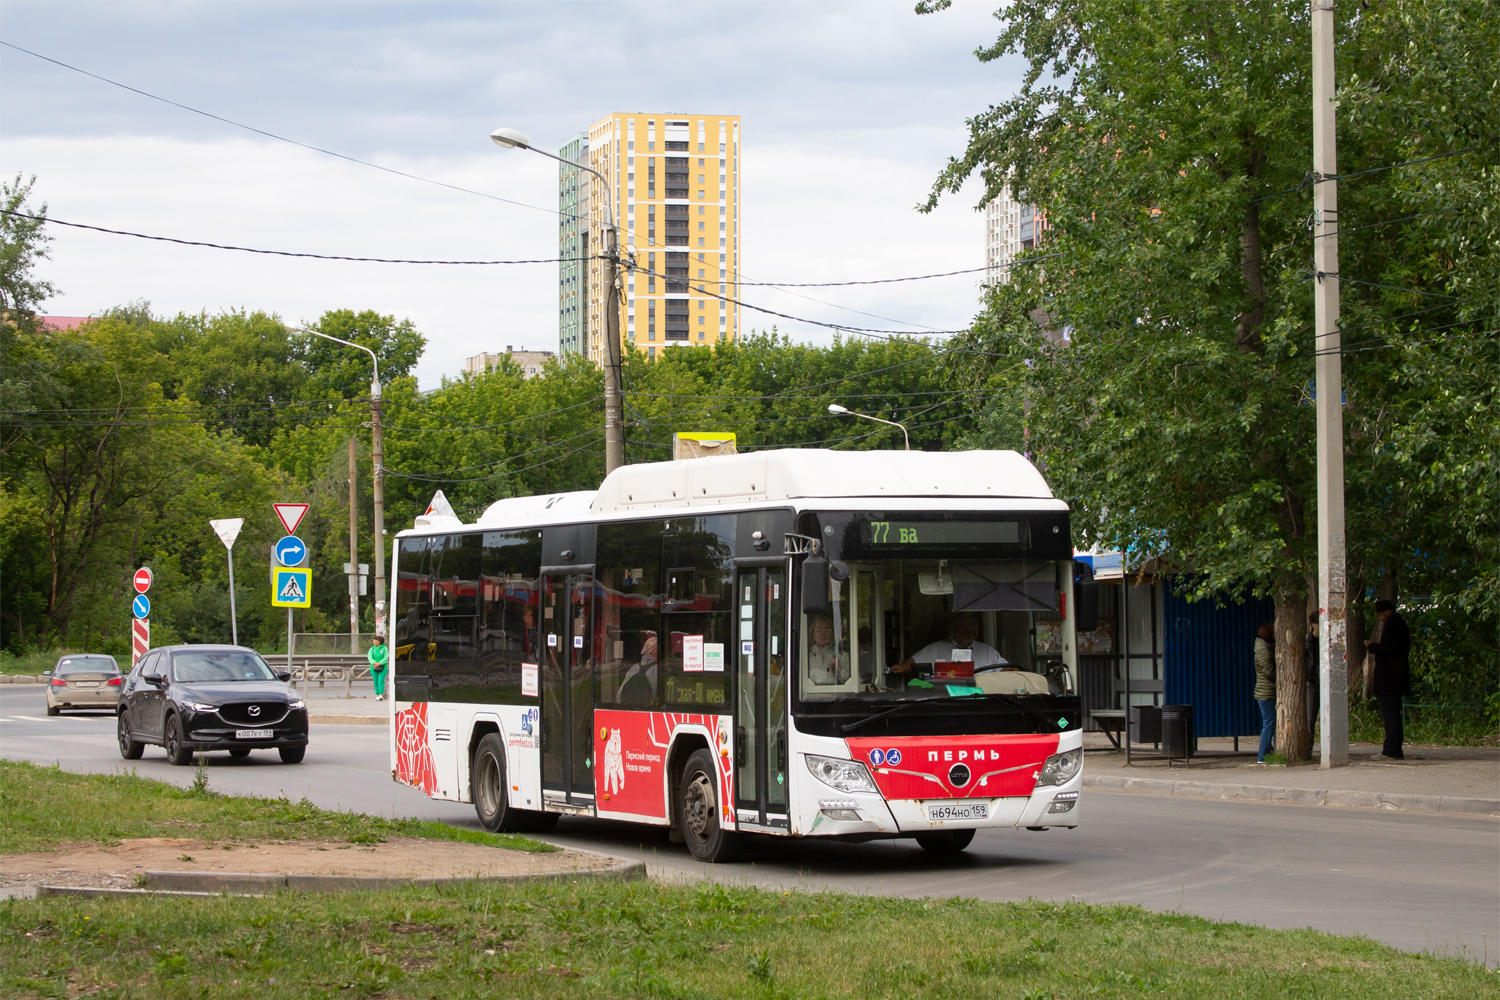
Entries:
{"x":1392,"y":680}
{"x":379,"y":659}
{"x":964,"y":631}
{"x":1265,"y":689}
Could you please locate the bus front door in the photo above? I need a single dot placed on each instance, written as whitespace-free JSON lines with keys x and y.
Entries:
{"x":568,"y":689}
{"x":762,"y":674}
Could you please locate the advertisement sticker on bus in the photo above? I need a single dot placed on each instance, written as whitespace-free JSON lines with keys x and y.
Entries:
{"x":529,"y":674}
{"x":713,"y":657}
{"x":692,"y":653}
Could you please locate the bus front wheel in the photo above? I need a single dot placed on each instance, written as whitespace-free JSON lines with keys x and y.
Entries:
{"x":698,"y":811}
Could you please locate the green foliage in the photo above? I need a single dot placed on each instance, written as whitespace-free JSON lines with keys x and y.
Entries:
{"x":1168,"y":143}
{"x":23,"y":243}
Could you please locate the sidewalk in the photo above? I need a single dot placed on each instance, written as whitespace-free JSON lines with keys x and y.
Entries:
{"x":1430,"y":779}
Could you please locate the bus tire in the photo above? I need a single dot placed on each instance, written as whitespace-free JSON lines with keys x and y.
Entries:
{"x":698,"y":811}
{"x":491,"y":792}
{"x":949,"y":842}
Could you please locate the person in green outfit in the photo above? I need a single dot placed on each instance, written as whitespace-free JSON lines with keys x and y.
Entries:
{"x":379,"y":658}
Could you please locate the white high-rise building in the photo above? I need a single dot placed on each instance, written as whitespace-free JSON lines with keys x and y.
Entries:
{"x":1010,"y":226}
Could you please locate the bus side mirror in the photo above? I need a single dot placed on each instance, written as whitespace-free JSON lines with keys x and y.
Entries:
{"x":1085,"y":598}
{"x":815,"y":586}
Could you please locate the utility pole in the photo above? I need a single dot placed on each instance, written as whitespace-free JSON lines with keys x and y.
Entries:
{"x":353,"y":559}
{"x":1333,"y":710}
{"x":614,"y":430}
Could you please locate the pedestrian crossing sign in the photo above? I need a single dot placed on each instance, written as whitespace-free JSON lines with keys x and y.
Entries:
{"x":291,"y":588}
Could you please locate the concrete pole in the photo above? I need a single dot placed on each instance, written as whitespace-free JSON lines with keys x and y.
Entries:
{"x":1333,"y":709}
{"x":614,"y":429}
{"x":353,"y":558}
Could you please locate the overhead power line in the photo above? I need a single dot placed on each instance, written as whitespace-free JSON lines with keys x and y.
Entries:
{"x":280,"y":138}
{"x":273,"y":253}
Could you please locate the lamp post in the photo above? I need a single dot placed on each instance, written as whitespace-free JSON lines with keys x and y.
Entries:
{"x":377,"y":457}
{"x":614,"y":439}
{"x":844,"y":411}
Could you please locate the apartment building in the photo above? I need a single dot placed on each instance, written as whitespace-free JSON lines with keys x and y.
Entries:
{"x":531,"y":362}
{"x":674,"y":182}
{"x":1010,"y":226}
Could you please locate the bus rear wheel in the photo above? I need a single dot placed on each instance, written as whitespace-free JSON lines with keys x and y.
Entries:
{"x":698,"y":811}
{"x":949,"y":842}
{"x":491,"y":793}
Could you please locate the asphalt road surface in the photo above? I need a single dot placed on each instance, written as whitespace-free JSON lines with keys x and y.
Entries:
{"x":1422,"y":882}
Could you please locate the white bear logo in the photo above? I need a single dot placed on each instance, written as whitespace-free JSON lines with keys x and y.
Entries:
{"x":614,"y":764}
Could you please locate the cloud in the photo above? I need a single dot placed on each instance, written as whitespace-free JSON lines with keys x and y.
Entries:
{"x":849,"y":112}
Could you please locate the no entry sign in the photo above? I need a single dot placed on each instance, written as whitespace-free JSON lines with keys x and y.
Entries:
{"x":142,"y":580}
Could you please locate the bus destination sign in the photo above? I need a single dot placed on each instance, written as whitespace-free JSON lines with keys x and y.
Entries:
{"x":895,"y":534}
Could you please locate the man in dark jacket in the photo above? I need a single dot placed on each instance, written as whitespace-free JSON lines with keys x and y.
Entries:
{"x":1392,"y":680}
{"x":1310,"y":666}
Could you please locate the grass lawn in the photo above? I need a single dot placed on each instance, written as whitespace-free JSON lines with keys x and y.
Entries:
{"x":46,"y":807}
{"x":642,"y":939}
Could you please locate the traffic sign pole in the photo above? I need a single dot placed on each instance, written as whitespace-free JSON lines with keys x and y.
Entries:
{"x":228,"y":529}
{"x":234,"y":619}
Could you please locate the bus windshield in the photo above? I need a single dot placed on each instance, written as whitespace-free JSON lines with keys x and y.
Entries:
{"x":907,"y":629}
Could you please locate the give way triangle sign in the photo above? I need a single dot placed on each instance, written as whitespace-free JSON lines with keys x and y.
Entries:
{"x":291,"y":515}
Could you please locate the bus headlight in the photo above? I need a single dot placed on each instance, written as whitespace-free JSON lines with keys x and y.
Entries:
{"x":845,"y":775}
{"x":1060,"y":768}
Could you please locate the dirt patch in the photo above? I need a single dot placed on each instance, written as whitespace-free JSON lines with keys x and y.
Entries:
{"x":122,"y":866}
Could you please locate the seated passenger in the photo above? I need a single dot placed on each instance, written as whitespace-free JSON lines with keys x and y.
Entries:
{"x":823,"y":666}
{"x":965,"y":631}
{"x":638,"y":687}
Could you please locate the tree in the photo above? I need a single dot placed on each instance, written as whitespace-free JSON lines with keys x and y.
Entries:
{"x":334,"y":370}
{"x":23,"y":243}
{"x":1168,"y":144}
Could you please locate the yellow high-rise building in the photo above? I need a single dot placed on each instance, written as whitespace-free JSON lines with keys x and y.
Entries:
{"x":675,"y":185}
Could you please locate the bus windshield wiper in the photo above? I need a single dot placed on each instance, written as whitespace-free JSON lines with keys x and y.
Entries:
{"x":850,"y":726}
{"x":1013,"y":702}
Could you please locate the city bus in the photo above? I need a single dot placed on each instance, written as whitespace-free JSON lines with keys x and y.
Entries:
{"x":800,"y":642}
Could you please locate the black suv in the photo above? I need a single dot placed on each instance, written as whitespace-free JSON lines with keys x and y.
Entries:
{"x":190,"y":698}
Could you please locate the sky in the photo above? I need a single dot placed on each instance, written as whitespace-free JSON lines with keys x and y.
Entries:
{"x":849,"y":111}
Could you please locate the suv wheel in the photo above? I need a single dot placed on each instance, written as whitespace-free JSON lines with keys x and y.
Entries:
{"x":293,"y":755}
{"x":176,"y":752}
{"x":129,"y":748}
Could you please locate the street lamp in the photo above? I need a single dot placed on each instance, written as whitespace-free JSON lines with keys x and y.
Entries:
{"x":844,"y":411}
{"x":377,"y":457}
{"x":614,"y":439}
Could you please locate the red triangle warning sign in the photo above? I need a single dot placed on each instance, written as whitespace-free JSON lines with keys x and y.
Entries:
{"x":291,"y":515}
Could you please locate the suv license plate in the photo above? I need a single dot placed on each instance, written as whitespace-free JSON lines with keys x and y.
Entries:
{"x":253,"y":734}
{"x":958,"y":810}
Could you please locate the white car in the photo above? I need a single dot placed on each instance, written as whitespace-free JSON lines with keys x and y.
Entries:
{"x":84,"y":680}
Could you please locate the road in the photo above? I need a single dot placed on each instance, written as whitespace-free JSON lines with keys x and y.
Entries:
{"x":1421,"y":882}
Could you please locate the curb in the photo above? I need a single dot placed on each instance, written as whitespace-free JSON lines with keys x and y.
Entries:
{"x":350,"y":720}
{"x":22,"y":679}
{"x":249,"y":884}
{"x":1339,"y":798}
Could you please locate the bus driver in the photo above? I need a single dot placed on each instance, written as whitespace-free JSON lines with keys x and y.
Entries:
{"x":965,"y":632}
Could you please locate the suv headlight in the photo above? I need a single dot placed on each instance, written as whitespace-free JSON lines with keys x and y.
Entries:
{"x":1061,"y":768}
{"x":845,"y":775}
{"x":199,"y":706}
{"x":292,"y":706}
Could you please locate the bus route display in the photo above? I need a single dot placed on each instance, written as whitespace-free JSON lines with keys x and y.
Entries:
{"x":895,"y":534}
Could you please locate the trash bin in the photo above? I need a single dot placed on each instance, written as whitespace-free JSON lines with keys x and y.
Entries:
{"x":1178,"y":740}
{"x":1145,"y":724}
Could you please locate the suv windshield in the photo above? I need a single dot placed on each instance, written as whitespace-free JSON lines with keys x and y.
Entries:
{"x":905,"y":629}
{"x":224,"y":665}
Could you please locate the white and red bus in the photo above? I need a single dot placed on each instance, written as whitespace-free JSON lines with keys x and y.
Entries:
{"x":817,"y":643}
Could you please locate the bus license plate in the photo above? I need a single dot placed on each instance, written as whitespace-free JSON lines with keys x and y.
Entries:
{"x":252,"y":734}
{"x":958,"y":810}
